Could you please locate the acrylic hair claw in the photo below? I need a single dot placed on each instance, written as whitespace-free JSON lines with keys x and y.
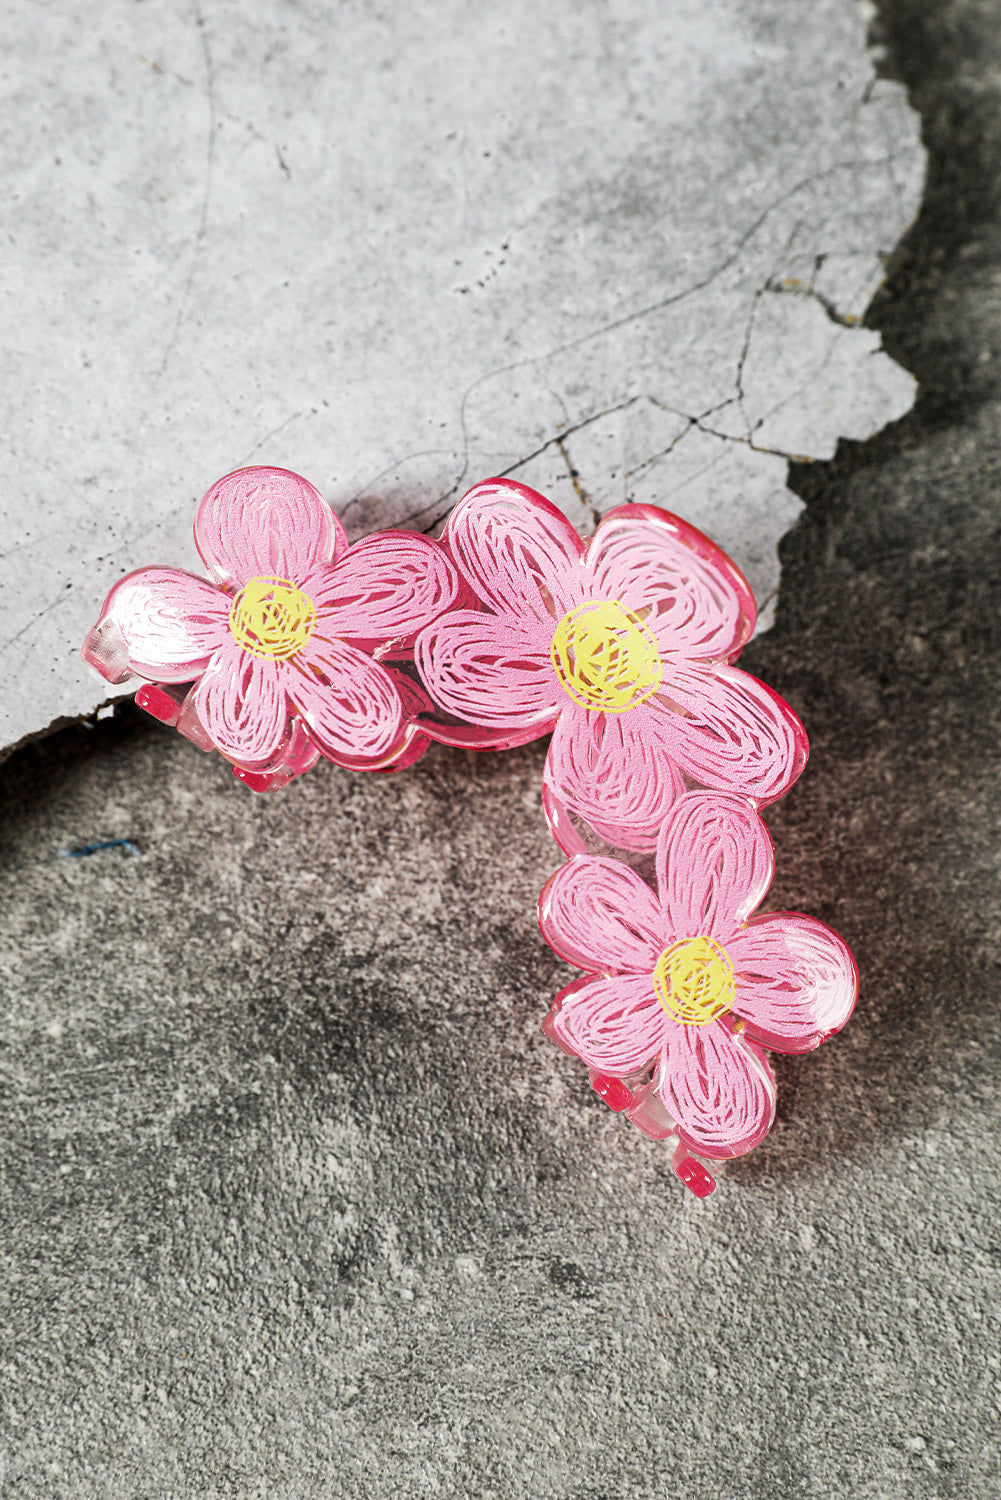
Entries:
{"x":284,"y":646}
{"x":684,"y":986}
{"x":623,"y":648}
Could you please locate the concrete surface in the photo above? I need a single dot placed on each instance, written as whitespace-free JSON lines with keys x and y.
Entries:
{"x":296,"y":1200}
{"x":619,"y":251}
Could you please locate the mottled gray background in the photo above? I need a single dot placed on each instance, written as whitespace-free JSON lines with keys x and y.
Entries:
{"x":297,"y":1200}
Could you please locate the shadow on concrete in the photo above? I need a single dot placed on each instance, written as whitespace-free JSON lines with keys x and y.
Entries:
{"x":888,"y":634}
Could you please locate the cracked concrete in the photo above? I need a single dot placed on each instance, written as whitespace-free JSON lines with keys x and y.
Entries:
{"x":399,"y":253}
{"x":295,"y":1200}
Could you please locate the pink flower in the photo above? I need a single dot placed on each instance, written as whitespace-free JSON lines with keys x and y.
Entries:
{"x":286,"y":634}
{"x":622,"y":647}
{"x":683,"y":983}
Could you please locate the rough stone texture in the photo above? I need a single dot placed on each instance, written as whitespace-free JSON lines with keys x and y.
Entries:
{"x":619,"y":251}
{"x":297,"y":1202}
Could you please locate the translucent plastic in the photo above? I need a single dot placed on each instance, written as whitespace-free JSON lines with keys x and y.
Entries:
{"x":283,"y":640}
{"x":623,"y":647}
{"x":662,"y":754}
{"x":683,"y":986}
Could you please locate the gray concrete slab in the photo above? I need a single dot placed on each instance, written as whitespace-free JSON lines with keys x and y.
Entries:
{"x":620,"y":252}
{"x":296,"y":1200}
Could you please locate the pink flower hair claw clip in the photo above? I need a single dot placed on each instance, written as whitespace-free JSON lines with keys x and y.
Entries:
{"x":285,"y":646}
{"x":512,"y":627}
{"x":685,"y":988}
{"x":622,"y":647}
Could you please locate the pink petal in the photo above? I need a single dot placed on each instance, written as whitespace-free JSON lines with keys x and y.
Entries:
{"x":688,"y":592}
{"x":386,"y":587}
{"x":520,"y":554}
{"x":265,"y":523}
{"x":240,"y":699}
{"x":491,"y":670}
{"x":599,"y":915}
{"x":729,"y":731}
{"x":614,"y":772}
{"x":715,"y":861}
{"x":718,"y":1088}
{"x":171,"y":622}
{"x":796,"y":980}
{"x":349,"y":703}
{"x":613,"y":1024}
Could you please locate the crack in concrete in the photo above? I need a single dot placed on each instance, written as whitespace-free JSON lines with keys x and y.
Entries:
{"x":441,"y":504}
{"x":793,"y":286}
{"x":742,"y":357}
{"x":695,"y":423}
{"x":748,"y":442}
{"x":428,"y":517}
{"x":498,"y":409}
{"x":203,"y":218}
{"x":579,"y":490}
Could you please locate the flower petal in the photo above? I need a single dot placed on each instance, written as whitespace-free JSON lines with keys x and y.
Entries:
{"x":240,"y":700}
{"x":386,"y":587}
{"x":715,"y":861}
{"x":171,"y":622}
{"x":349,"y":703}
{"x":269,"y":523}
{"x":599,"y":915}
{"x":613,"y":1024}
{"x":729,"y":731}
{"x":520,"y":554}
{"x":796,"y":980}
{"x":700,"y":604}
{"x":491,"y":670}
{"x":718,"y":1088}
{"x":614,"y":772}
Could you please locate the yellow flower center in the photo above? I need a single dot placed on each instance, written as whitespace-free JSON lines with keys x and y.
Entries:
{"x":605,"y":657}
{"x":271,"y":617}
{"x":694,"y":981}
